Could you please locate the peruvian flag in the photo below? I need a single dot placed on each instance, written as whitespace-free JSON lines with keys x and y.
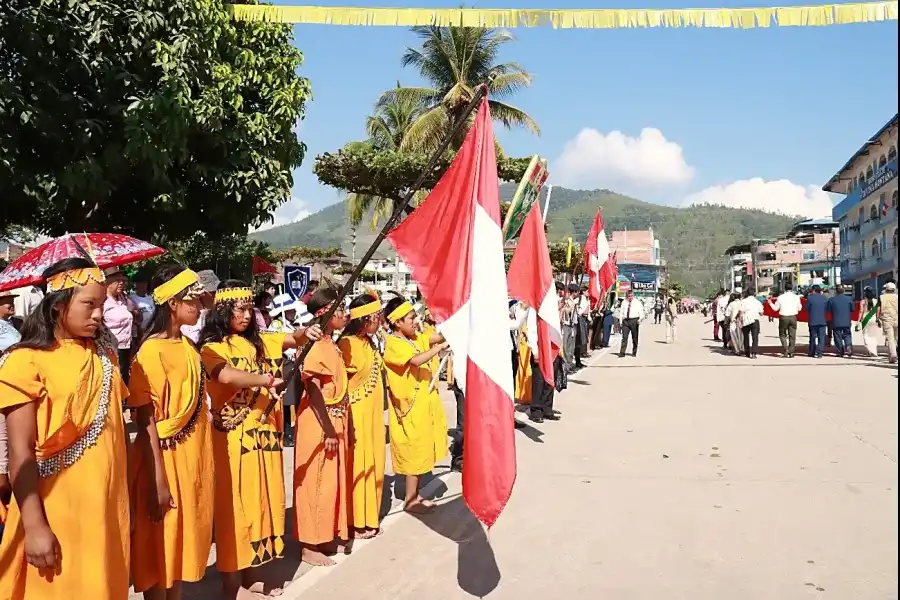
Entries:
{"x":596,"y":257}
{"x":530,"y":280}
{"x":453,"y":246}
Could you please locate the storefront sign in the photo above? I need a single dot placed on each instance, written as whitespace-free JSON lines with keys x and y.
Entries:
{"x":643,"y":286}
{"x":887,"y":173}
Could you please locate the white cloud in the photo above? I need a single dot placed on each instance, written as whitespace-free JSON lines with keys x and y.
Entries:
{"x":780,"y":196}
{"x":290,"y":212}
{"x":610,"y":160}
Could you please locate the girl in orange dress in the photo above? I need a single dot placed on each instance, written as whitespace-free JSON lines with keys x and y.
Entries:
{"x":365,"y":368}
{"x":67,"y":532}
{"x":171,"y":461}
{"x":244,"y":367}
{"x":321,"y":461}
{"x":418,"y":425}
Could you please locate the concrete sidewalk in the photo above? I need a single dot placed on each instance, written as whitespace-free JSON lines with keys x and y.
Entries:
{"x":684,"y":473}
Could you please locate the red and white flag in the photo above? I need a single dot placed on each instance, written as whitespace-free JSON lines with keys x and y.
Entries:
{"x":453,"y":246}
{"x":596,"y":256}
{"x":530,"y":280}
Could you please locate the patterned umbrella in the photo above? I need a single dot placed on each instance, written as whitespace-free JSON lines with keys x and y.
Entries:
{"x":107,"y":249}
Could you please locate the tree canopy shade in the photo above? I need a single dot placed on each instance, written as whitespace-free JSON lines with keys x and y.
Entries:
{"x":388,"y":174}
{"x":152,"y":117}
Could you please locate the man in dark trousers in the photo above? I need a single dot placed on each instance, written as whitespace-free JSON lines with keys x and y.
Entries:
{"x":817,"y":308}
{"x":632,"y":315}
{"x":456,"y":448}
{"x":841,"y":308}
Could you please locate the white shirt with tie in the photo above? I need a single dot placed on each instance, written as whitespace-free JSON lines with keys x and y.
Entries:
{"x":633,"y":309}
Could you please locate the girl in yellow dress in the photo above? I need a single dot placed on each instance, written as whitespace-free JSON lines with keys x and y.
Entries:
{"x":247,"y":435}
{"x":321,"y":456}
{"x":418,"y":425}
{"x":67,"y":532}
{"x":365,"y":367}
{"x":172,"y":463}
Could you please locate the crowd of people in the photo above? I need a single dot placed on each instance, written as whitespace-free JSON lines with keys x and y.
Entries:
{"x":830,"y":318}
{"x":203,"y":374}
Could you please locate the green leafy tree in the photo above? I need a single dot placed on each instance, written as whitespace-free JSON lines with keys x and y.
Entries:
{"x":154,"y":118}
{"x":453,"y":61}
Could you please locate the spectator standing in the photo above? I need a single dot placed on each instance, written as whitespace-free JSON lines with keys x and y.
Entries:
{"x":751,"y":311}
{"x":788,"y":305}
{"x":887,"y":313}
{"x":817,"y":308}
{"x":841,"y":308}
{"x":632,"y":315}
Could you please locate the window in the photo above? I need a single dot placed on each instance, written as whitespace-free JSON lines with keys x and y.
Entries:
{"x":862,"y":251}
{"x":894,"y":199}
{"x":892,"y":153}
{"x":810,"y":255}
{"x":876,"y":249}
{"x":869,"y":172}
{"x":861,"y":180}
{"x":873,"y":213}
{"x":882,"y":161}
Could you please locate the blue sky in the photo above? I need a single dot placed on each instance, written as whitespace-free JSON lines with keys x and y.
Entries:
{"x":759,"y":117}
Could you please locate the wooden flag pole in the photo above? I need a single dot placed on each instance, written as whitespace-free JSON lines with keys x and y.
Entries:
{"x":392,"y":222}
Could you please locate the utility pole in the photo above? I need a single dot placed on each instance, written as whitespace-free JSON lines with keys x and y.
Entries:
{"x":833,"y":259}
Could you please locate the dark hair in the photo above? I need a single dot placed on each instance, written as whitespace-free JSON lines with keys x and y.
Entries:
{"x":161,"y":318}
{"x":217,"y":325}
{"x":788,"y":286}
{"x":312,"y":285}
{"x":392,"y":305}
{"x":261,"y":299}
{"x":319,"y":300}
{"x":354,"y":326}
{"x":39,"y":328}
{"x":869,"y":295}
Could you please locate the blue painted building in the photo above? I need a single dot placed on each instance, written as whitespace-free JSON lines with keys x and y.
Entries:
{"x":867,"y":215}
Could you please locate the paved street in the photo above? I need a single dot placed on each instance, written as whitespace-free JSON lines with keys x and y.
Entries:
{"x":684,"y":473}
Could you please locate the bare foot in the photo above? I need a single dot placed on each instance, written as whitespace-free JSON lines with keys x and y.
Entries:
{"x":418,"y":507}
{"x":425,"y":502}
{"x":365,"y":534}
{"x":315,"y":558}
{"x":245,"y":594}
{"x":260,"y":590}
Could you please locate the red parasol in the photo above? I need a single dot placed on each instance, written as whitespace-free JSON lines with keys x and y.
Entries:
{"x":107,"y":250}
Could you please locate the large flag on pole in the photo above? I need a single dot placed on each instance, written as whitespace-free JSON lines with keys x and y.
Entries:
{"x":453,"y":245}
{"x":530,"y":280}
{"x":596,"y":256}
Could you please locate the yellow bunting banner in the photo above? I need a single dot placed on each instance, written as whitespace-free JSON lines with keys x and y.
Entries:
{"x":601,"y":18}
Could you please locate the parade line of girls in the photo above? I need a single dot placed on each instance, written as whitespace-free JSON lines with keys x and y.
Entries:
{"x":91,"y":513}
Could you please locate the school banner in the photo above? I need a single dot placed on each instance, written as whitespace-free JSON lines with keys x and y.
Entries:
{"x":296,"y":280}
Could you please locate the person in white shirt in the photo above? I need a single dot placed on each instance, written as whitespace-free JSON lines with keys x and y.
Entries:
{"x":788,"y":306}
{"x":719,"y":306}
{"x":632,"y":315}
{"x":751,"y":310}
{"x":732,"y":324}
{"x":143,"y":300}
{"x":27,"y":300}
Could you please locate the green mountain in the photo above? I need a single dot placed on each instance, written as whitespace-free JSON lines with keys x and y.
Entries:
{"x":692,"y":239}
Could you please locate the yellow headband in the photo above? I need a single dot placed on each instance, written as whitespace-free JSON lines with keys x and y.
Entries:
{"x":168,"y":290}
{"x":234,"y":294}
{"x":365,"y":310}
{"x":400,"y":312}
{"x":75,"y":277}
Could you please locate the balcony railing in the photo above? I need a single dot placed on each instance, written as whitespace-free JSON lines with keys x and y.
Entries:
{"x":858,"y":232}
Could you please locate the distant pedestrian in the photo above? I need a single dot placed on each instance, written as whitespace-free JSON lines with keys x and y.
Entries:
{"x":720,"y":303}
{"x":632,"y":315}
{"x":751,"y":312}
{"x":841,"y":308}
{"x":868,"y":321}
{"x":887,"y":314}
{"x":817,"y":308}
{"x":788,"y":306}
{"x":671,"y":315}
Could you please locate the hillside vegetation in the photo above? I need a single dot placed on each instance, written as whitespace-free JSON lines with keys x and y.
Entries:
{"x":692,"y":239}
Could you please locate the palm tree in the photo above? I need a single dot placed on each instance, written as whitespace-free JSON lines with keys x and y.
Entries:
{"x":454,"y":61}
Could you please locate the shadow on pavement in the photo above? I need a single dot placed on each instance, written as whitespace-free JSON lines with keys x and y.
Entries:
{"x":476,"y":568}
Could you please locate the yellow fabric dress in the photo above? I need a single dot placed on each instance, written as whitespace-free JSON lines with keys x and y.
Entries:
{"x":365,"y":368}
{"x":321,"y":478}
{"x":523,"y":372}
{"x":418,"y":425}
{"x":168,"y":373}
{"x":86,"y":502}
{"x":249,"y":488}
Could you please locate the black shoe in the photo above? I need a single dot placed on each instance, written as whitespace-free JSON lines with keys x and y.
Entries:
{"x":621,"y":355}
{"x":554,"y":416}
{"x":536,"y":418}
{"x":456,"y":465}
{"x":634,"y":354}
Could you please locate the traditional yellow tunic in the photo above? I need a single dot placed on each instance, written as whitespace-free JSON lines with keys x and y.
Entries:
{"x":321,"y":479}
{"x":365,"y":367}
{"x":523,"y":372}
{"x":249,"y":489}
{"x":168,"y":373}
{"x":79,"y":398}
{"x":418,"y":425}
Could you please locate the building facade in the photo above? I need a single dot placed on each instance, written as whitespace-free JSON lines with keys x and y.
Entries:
{"x":638,"y":258}
{"x":808,"y":253}
{"x":867,"y":215}
{"x":738,"y":267}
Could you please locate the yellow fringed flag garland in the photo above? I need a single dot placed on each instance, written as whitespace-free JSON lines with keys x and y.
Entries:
{"x":601,"y":18}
